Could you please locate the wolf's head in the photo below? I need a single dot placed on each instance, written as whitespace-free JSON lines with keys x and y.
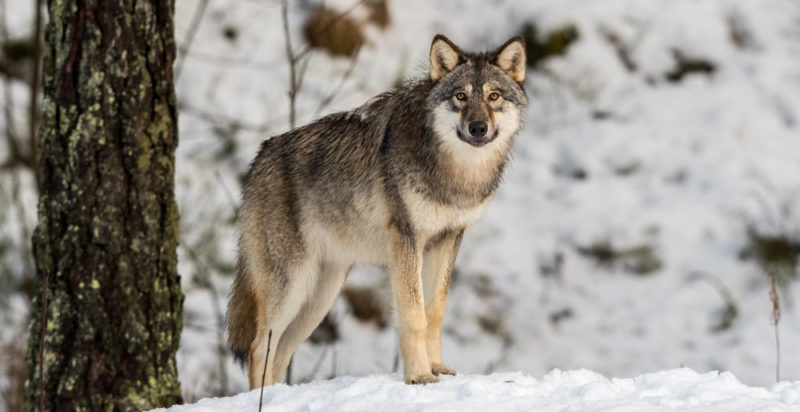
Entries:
{"x":477,"y":99}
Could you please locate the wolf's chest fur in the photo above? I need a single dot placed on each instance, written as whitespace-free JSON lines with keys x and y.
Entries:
{"x":363,"y":236}
{"x":430,"y":217}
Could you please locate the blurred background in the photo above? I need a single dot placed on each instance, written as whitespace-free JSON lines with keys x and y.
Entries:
{"x":653,"y":197}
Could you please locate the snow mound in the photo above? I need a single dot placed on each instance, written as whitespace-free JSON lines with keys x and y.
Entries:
{"x":579,"y":390}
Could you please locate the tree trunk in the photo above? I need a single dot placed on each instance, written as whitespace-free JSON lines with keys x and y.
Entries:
{"x":105,"y":246}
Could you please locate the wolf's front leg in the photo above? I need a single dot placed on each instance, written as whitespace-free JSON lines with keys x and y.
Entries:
{"x":437,"y":267}
{"x":405,"y":268}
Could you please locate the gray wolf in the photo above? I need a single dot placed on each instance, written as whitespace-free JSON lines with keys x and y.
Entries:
{"x":394,"y":182}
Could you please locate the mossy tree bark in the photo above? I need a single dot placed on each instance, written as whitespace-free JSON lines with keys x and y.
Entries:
{"x":105,"y":246}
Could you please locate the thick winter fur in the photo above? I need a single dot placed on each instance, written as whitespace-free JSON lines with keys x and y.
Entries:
{"x":394,"y":182}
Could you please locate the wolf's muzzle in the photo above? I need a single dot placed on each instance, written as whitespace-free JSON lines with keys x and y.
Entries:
{"x":479,"y":138}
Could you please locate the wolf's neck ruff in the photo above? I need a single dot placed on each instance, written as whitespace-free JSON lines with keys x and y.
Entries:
{"x":470,"y":173}
{"x":394,"y":182}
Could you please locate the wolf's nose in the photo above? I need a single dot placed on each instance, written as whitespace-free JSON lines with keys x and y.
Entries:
{"x":478,"y":129}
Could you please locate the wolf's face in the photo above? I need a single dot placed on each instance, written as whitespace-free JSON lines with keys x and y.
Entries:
{"x":477,"y":99}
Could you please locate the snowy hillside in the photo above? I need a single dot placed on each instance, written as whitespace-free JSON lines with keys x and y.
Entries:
{"x":581,"y":390}
{"x":660,"y":155}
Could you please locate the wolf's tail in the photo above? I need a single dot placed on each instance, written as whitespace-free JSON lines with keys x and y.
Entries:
{"x":241,"y":318}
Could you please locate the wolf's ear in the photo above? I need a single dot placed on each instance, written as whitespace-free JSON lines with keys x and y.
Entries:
{"x":510,"y":58}
{"x":445,"y":56}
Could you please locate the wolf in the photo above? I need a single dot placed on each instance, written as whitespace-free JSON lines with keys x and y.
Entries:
{"x":394,"y":183}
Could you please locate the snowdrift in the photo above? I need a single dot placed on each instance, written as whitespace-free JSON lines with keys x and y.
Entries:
{"x":580,"y":390}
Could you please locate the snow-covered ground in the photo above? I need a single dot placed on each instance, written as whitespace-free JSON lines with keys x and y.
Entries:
{"x":580,"y":390}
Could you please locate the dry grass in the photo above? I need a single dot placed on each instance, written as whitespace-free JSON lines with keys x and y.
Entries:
{"x":685,"y":65}
{"x":541,"y":46}
{"x":367,"y":306}
{"x":776,"y":318}
{"x":777,"y":253}
{"x":640,"y":260}
{"x":379,"y":13}
{"x":338,"y":33}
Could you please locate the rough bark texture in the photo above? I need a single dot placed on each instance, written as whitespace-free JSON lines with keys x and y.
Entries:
{"x":108,"y":223}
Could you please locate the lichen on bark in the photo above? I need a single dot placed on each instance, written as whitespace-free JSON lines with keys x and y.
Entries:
{"x":107,"y":234}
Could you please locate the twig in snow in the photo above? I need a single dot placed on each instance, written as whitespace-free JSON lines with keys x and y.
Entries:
{"x":264,"y":374}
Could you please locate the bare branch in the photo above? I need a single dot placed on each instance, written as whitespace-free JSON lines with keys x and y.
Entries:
{"x":336,"y":90}
{"x":8,"y":97}
{"x":220,"y":119}
{"x":296,"y":77}
{"x":227,"y":61}
{"x":321,"y":358}
{"x":204,"y":280}
{"x":292,"y":59}
{"x":33,"y":116}
{"x":13,"y":146}
{"x":227,"y":191}
{"x":301,"y":74}
{"x":190,"y":34}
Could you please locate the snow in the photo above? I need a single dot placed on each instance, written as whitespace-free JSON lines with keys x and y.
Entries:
{"x":579,"y":390}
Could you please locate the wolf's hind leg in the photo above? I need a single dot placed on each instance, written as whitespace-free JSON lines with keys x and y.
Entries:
{"x":328,"y":284}
{"x":436,"y":269}
{"x":256,"y":368}
{"x":281,"y":303}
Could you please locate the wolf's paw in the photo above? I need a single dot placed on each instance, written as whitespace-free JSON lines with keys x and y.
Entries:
{"x":422,"y":379}
{"x":442,"y":369}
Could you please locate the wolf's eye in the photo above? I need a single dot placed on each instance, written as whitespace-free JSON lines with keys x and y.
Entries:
{"x":461,"y":96}
{"x":494,"y":96}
